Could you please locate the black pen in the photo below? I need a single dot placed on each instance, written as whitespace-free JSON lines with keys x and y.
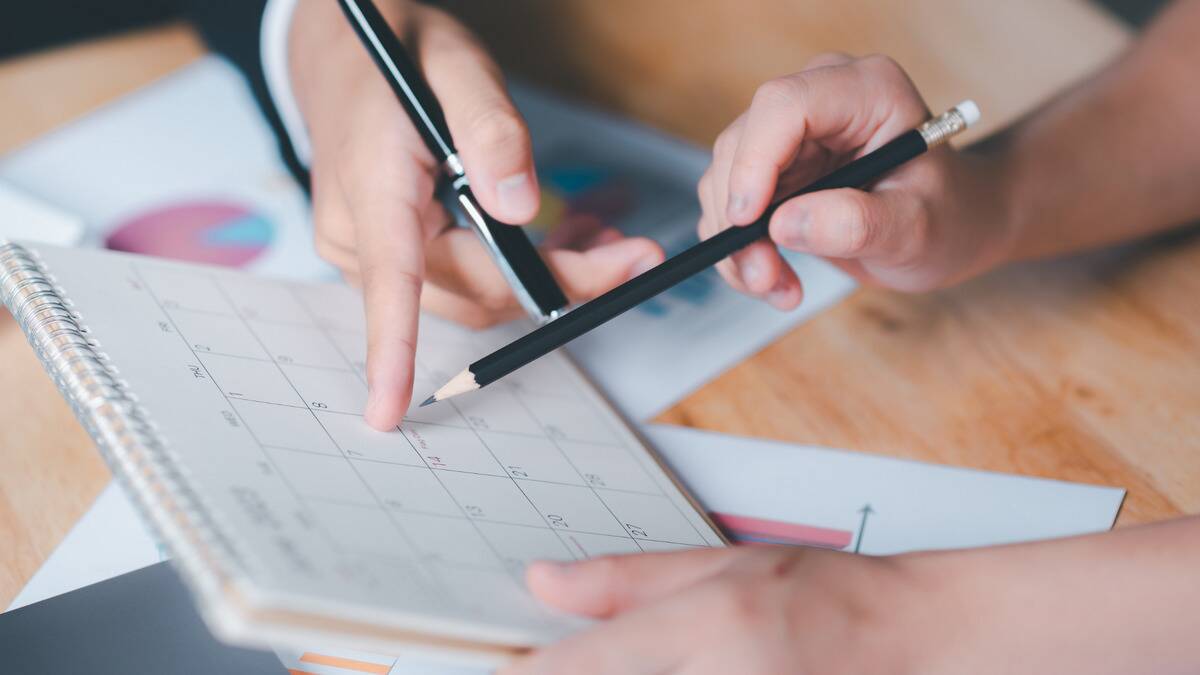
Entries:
{"x":628,"y":295}
{"x":523,"y":268}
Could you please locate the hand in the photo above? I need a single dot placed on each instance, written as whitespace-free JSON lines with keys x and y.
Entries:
{"x":751,"y":611}
{"x":934,"y":221}
{"x":373,"y":182}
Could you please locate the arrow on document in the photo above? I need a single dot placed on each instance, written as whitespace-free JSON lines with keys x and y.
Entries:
{"x":866,"y":510}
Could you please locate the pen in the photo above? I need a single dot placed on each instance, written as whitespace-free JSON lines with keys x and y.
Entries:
{"x":589,"y":315}
{"x":530,"y":279}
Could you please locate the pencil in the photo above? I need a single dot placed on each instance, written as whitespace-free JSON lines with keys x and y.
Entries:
{"x":546,"y":339}
{"x":518,"y":260}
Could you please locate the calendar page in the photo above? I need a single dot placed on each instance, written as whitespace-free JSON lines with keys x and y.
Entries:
{"x":257,"y":387}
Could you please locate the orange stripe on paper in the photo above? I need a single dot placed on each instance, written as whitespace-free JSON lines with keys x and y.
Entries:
{"x":293,"y":671}
{"x":346,"y":664}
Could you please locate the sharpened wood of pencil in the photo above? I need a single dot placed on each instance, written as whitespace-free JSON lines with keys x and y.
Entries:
{"x":703,"y":255}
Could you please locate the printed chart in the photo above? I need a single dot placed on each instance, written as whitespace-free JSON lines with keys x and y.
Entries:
{"x":212,"y":232}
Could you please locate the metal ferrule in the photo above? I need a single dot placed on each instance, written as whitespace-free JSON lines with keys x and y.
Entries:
{"x":454,"y":166}
{"x":942,"y":128}
{"x":479,"y":224}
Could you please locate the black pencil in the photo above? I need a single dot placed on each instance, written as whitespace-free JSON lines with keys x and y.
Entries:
{"x":509,"y":245}
{"x":546,"y":339}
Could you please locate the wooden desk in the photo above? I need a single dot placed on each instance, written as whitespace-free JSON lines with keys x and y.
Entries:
{"x":1082,"y":369}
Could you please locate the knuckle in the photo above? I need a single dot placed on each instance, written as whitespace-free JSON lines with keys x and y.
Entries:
{"x":493,"y":299}
{"x":724,"y":143}
{"x":704,"y":187}
{"x":881,"y":64}
{"x":499,"y":127}
{"x":476,"y":320}
{"x":611,"y":571}
{"x":857,"y":232}
{"x":780,"y":92}
{"x":828,"y":59}
{"x":329,"y":251}
{"x":919,"y":234}
{"x":742,"y":603}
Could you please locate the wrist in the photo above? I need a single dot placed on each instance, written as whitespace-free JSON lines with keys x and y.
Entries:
{"x":1001,"y":175}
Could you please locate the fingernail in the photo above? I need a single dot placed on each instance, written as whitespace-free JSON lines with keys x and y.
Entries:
{"x":737,"y":207}
{"x":780,"y":298}
{"x":642,"y":266}
{"x":515,"y":195}
{"x":794,"y":230}
{"x":752,"y":274}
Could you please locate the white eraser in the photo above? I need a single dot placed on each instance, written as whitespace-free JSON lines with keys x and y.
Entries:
{"x":969,"y":111}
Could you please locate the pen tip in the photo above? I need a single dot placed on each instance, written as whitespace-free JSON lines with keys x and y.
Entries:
{"x":429,"y":401}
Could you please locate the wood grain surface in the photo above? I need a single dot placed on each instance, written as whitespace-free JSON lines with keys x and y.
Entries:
{"x":1081,"y":369}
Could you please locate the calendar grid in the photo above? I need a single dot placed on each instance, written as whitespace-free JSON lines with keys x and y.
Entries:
{"x":295,"y":493}
{"x":403,"y":534}
{"x":491,"y":484}
{"x":362,"y":378}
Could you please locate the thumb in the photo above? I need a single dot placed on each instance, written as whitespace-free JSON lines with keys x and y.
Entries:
{"x":603,"y":587}
{"x":491,"y":135}
{"x":850,"y":224}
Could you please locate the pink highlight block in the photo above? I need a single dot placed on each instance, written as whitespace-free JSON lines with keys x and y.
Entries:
{"x":747,"y":530}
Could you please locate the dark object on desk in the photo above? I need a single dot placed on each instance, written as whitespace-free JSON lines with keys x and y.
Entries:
{"x":140,"y":622}
{"x":509,"y":245}
{"x":703,"y":255}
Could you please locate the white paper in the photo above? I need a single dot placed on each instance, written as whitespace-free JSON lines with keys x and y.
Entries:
{"x":24,"y":217}
{"x":191,"y":146}
{"x":914,"y":505}
{"x":109,"y":540}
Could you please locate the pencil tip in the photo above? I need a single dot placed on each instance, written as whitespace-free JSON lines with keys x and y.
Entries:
{"x":429,"y":401}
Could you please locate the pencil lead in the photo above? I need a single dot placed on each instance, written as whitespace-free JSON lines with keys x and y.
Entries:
{"x":429,"y":401}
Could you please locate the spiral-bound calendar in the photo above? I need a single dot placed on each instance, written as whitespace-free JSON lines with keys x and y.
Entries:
{"x":230,"y":407}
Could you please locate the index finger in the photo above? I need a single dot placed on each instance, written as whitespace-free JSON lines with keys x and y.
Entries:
{"x":392,"y":266}
{"x":845,"y":106}
{"x":603,"y":587}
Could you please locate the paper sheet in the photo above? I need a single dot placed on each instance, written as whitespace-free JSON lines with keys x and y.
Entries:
{"x":908,"y":505}
{"x":23,"y":217}
{"x":186,"y":168}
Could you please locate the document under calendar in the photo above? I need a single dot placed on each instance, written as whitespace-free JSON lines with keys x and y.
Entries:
{"x":231,"y":406}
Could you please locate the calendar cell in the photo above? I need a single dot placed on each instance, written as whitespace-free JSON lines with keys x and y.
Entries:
{"x":301,"y":345}
{"x":451,"y":448}
{"x":651,"y":517}
{"x":322,"y":476}
{"x":407,"y":488}
{"x":608,"y":466}
{"x":357,"y":440}
{"x":325,"y":389}
{"x":568,"y":507}
{"x":490,"y":498}
{"x":531,"y":457}
{"x":285,"y":427}
{"x":250,"y":380}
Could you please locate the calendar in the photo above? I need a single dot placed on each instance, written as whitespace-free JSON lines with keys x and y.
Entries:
{"x":256,"y":468}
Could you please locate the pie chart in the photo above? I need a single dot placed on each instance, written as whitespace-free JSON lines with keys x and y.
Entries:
{"x":211,"y":232}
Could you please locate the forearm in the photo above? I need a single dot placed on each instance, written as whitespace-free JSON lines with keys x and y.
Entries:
{"x":1122,"y":602}
{"x":1117,"y":157}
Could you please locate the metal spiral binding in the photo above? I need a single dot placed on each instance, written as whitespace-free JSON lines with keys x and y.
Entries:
{"x":119,"y":426}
